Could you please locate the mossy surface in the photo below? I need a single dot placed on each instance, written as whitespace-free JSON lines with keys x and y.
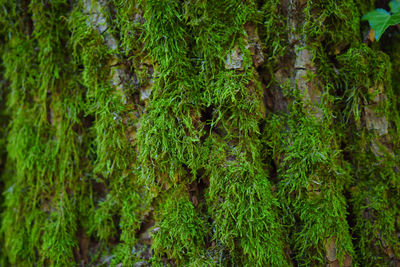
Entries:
{"x":197,"y":133}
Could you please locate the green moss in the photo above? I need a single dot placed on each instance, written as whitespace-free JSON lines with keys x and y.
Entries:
{"x":367,"y":77}
{"x":40,"y":219}
{"x":305,"y":141}
{"x":179,"y":233}
{"x":242,"y":204}
{"x":240,"y":200}
{"x":362,"y":69}
{"x":311,"y":179}
{"x":334,"y":24}
{"x":170,"y":130}
{"x":121,"y":207}
{"x":275,"y":25}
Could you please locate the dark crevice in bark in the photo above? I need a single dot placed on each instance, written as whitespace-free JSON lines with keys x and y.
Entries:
{"x":27,"y":23}
{"x":144,"y":235}
{"x":351,"y":216}
{"x":206,"y":117}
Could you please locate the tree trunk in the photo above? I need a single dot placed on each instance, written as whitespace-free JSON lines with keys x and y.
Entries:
{"x":198,"y":133}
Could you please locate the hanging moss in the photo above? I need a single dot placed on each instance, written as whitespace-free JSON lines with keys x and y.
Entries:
{"x":237,"y":179}
{"x":40,"y":220}
{"x":375,"y":196}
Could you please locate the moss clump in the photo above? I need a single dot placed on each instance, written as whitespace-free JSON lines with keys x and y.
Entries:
{"x":119,"y":209}
{"x":240,"y":199}
{"x":311,"y":176}
{"x":44,"y":195}
{"x":375,"y":197}
{"x":334,"y":24}
{"x":181,"y":230}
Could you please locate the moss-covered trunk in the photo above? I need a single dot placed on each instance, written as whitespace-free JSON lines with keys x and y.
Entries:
{"x":198,"y":133}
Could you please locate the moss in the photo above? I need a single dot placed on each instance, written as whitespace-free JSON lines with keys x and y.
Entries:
{"x":250,"y":236}
{"x":170,"y":130}
{"x":4,"y":120}
{"x":243,"y":206}
{"x":173,"y":144}
{"x":120,"y":208}
{"x":179,"y":233}
{"x":334,"y":24}
{"x":275,"y":26}
{"x":368,"y":79}
{"x":305,"y":140}
{"x":169,"y":136}
{"x":311,"y":178}
{"x":42,"y":214}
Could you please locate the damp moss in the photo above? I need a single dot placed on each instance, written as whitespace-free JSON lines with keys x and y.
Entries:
{"x":118,"y":209}
{"x":367,"y":76}
{"x":42,"y":145}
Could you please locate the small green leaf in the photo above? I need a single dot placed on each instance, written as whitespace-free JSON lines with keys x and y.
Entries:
{"x":394,"y":6}
{"x":380,"y":20}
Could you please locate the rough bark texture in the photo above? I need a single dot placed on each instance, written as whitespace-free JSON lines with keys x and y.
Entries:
{"x":198,"y":133}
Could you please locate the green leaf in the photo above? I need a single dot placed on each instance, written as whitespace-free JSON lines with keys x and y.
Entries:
{"x":394,"y":6}
{"x":380,"y":20}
